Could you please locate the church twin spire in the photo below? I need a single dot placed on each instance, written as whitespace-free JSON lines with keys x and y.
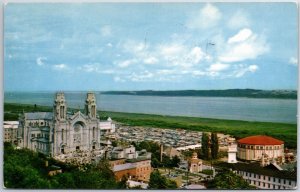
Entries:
{"x":60,"y":106}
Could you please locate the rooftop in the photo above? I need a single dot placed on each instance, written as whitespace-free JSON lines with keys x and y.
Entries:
{"x":123,"y":167}
{"x":39,"y":115}
{"x":257,"y":169}
{"x":260,"y":140}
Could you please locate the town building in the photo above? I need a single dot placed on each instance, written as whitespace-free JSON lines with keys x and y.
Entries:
{"x":11,"y":131}
{"x":62,"y":132}
{"x":195,"y":164}
{"x":232,"y":150}
{"x":129,"y":163}
{"x":269,"y":177}
{"x":138,"y":169}
{"x":255,"y":147}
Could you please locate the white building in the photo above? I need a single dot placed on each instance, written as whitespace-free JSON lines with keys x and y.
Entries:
{"x":262,"y":181}
{"x":58,"y":132}
{"x":232,"y":150}
{"x":10,"y":131}
{"x":269,"y":177}
{"x":126,"y":153}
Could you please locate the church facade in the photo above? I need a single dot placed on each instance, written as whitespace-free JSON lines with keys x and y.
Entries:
{"x":58,"y":132}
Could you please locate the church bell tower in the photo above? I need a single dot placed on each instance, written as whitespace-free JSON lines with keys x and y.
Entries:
{"x":60,"y":107}
{"x":90,"y":106}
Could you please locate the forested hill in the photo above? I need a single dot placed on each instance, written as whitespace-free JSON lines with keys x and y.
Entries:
{"x":251,"y":93}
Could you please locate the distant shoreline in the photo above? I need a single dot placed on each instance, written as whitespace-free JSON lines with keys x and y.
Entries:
{"x":244,"y":93}
{"x":234,"y":93}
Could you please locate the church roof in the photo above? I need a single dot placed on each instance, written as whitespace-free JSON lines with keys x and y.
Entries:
{"x":260,"y":140}
{"x":38,"y":115}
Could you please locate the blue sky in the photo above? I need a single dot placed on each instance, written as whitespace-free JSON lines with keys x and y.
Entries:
{"x":159,"y":46}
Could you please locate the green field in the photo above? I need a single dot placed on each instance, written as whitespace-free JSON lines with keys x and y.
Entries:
{"x":239,"y":129}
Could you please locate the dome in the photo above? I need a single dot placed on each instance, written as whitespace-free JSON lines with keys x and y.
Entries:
{"x":260,"y":140}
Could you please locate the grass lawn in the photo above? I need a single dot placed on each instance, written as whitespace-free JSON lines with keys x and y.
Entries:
{"x":239,"y":129}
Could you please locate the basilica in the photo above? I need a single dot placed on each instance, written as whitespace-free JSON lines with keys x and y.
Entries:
{"x":61,"y":132}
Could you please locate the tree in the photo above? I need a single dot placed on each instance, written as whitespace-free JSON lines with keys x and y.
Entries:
{"x":187,"y":153}
{"x":155,"y":163}
{"x":166,"y":161}
{"x":228,"y":180}
{"x":123,"y":183}
{"x":175,"y":161}
{"x":205,"y":146}
{"x":114,"y":143}
{"x":157,"y":181}
{"x":214,"y":146}
{"x":26,"y":169}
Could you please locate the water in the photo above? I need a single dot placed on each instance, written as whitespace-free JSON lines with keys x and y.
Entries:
{"x":249,"y":109}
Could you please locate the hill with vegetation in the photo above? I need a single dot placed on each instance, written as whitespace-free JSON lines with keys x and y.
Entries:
{"x":251,"y":93}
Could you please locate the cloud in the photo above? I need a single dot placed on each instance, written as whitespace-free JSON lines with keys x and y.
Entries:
{"x":109,"y":45}
{"x":244,"y":69}
{"x":150,"y":60}
{"x":134,"y":47}
{"x":218,"y":67}
{"x":89,"y":68}
{"x":238,"y":20}
{"x":60,"y":67}
{"x":96,"y":68}
{"x":207,"y":17}
{"x":178,"y":54}
{"x":171,"y":50}
{"x":293,"y":61}
{"x":106,"y":31}
{"x":196,"y":55}
{"x":40,"y":61}
{"x":242,"y":35}
{"x":118,"y":79}
{"x":243,"y":46}
{"x":142,"y":76}
{"x":126,"y":63}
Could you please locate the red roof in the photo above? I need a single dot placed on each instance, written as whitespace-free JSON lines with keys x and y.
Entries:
{"x":260,"y":140}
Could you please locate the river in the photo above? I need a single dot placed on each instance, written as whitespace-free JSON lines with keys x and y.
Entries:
{"x":249,"y":109}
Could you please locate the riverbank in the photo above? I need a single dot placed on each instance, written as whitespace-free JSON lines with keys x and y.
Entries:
{"x":239,"y":129}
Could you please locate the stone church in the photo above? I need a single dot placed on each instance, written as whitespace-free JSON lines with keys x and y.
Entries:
{"x":59,"y":132}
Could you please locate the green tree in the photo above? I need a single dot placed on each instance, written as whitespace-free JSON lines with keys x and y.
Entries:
{"x":175,"y":161}
{"x":26,"y":169}
{"x":226,"y":179}
{"x":123,"y":183}
{"x":155,"y":163}
{"x":187,"y":153}
{"x":166,"y":161}
{"x":214,"y":146}
{"x":157,"y":181}
{"x":205,"y":146}
{"x":114,"y":143}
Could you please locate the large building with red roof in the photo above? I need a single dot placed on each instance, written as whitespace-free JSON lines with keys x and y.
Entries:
{"x":254,"y":147}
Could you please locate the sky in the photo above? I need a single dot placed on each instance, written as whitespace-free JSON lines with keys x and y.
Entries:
{"x":143,"y":46}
